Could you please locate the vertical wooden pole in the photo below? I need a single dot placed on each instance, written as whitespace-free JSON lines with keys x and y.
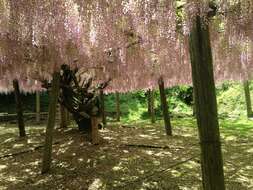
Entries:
{"x":102,"y":100}
{"x":117,"y":107}
{"x":149,"y":105}
{"x":247,"y":98}
{"x":67,"y":117}
{"x":58,"y":113}
{"x":19,"y":109}
{"x":193,"y":105}
{"x":94,"y":130}
{"x":63,"y":119}
{"x":152,"y":106}
{"x":14,"y":34}
{"x":54,"y":93}
{"x":164,"y":105}
{"x":37,"y":106}
{"x":206,"y":106}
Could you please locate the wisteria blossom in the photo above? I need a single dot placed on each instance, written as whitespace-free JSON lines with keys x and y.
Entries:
{"x":133,"y":42}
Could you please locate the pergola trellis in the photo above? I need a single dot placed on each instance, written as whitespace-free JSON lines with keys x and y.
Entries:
{"x":135,"y":43}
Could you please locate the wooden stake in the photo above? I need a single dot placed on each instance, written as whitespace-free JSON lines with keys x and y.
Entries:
{"x":206,"y":106}
{"x":117,"y":107}
{"x":247,"y":99}
{"x":164,"y":105}
{"x":19,"y":109}
{"x":54,"y":93}
{"x":37,"y":106}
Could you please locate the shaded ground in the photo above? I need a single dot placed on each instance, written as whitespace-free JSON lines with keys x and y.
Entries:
{"x":128,"y":157}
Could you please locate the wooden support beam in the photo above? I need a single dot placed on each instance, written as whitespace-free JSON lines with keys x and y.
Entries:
{"x":164,"y":105}
{"x":117,"y":107}
{"x":206,"y":105}
{"x":151,"y":111}
{"x":94,"y":130}
{"x":19,"y":109}
{"x":68,"y":117}
{"x":102,"y":107}
{"x":58,"y":113}
{"x":193,"y":105}
{"x":54,"y":93}
{"x":247,"y":98}
{"x":63,"y":118}
{"x":37,"y":106}
{"x":152,"y":106}
{"x":149,"y":105}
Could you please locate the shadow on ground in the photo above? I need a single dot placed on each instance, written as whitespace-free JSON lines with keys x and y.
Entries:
{"x":133,"y":156}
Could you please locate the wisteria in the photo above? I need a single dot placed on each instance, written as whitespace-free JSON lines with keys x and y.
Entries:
{"x":134,"y":42}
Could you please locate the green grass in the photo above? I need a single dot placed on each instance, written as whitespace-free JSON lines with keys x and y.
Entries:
{"x":230,"y":99}
{"x":240,"y":126}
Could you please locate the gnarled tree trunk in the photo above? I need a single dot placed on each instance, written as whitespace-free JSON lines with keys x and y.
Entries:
{"x":84,"y":124}
{"x":80,"y":96}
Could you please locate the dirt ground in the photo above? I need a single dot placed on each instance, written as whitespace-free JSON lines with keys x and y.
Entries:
{"x":132,"y":157}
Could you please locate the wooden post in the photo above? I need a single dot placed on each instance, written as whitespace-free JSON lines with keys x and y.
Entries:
{"x":206,"y":106}
{"x":193,"y":105}
{"x":164,"y":105}
{"x":63,"y":119}
{"x":58,"y":113}
{"x":37,"y":106}
{"x":19,"y":109}
{"x":94,"y":130}
{"x":149,"y":105}
{"x":102,"y":100}
{"x":152,"y":106}
{"x":247,"y":98}
{"x":14,"y":33}
{"x":54,"y":93}
{"x":117,"y":107}
{"x":67,"y":117}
